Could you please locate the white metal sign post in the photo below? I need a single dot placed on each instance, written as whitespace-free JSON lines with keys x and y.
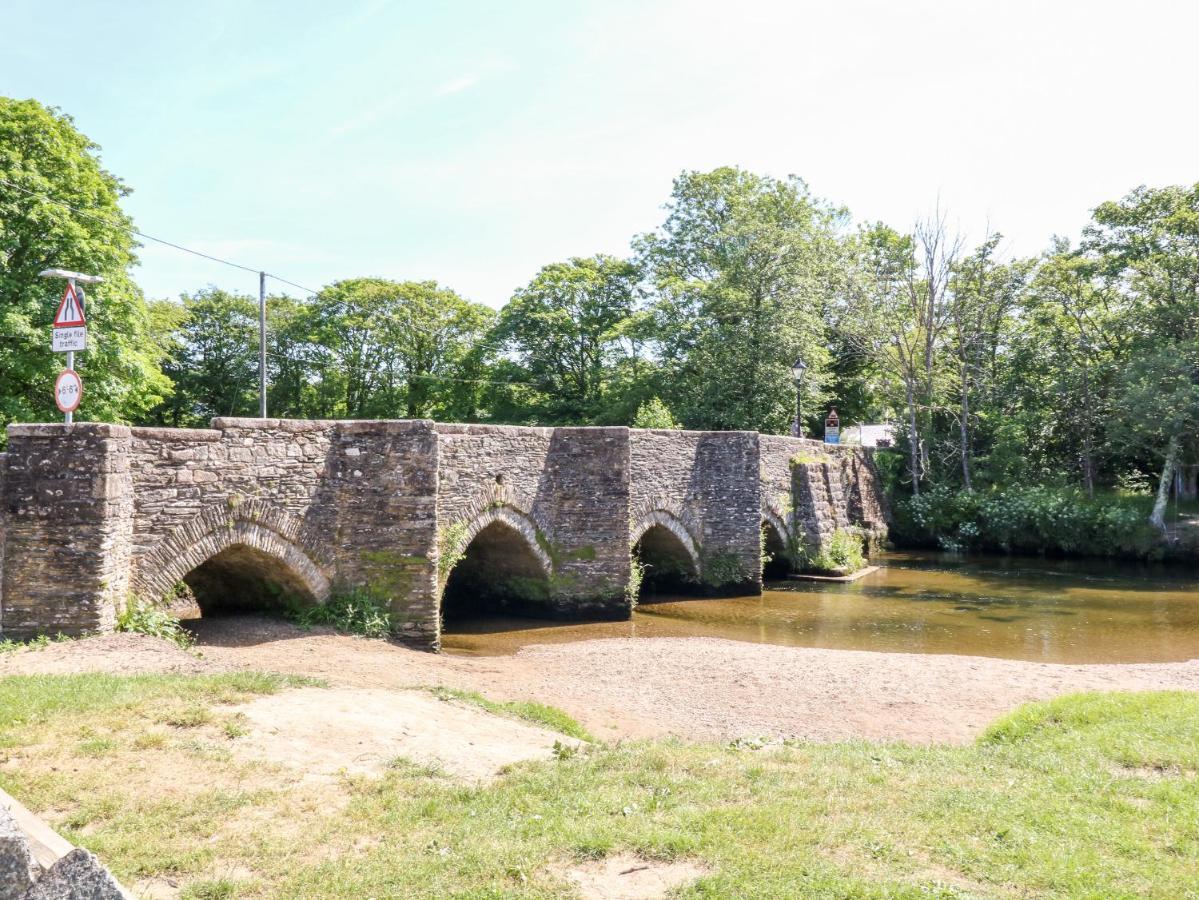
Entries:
{"x":70,"y":334}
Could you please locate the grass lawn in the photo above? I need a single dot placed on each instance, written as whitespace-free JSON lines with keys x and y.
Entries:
{"x":1088,"y":796}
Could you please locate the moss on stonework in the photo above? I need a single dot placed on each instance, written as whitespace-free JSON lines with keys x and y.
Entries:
{"x":558,"y":554}
{"x":801,"y":459}
{"x":391,"y":572}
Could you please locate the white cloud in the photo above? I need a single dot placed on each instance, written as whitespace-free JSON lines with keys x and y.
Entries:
{"x":457,"y":85}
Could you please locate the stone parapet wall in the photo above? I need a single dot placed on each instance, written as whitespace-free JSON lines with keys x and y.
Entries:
{"x":93,"y":514}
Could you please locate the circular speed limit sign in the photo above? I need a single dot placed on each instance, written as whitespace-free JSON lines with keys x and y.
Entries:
{"x":68,"y":390}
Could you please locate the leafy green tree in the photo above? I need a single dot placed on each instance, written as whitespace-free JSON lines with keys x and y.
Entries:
{"x":983,"y":295}
{"x":887,"y":316}
{"x":292,"y":355}
{"x":1147,"y":246}
{"x":567,"y":333}
{"x":653,"y":413}
{"x":743,"y":269}
{"x":391,"y":348}
{"x":213,"y":361}
{"x":1074,"y":328}
{"x":42,"y":155}
{"x":1159,"y":409}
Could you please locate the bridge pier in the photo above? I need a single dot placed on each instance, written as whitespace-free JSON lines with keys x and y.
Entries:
{"x":536,"y":520}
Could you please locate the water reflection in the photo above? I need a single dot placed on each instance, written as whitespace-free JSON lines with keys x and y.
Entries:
{"x":1076,"y":611}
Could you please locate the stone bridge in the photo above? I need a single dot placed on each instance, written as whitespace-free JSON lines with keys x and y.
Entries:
{"x":430,"y":518}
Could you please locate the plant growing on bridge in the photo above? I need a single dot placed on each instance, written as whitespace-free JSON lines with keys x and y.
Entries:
{"x":153,"y":619}
{"x":354,"y":611}
{"x":632,"y":590}
{"x":841,"y":553}
{"x":451,"y":547}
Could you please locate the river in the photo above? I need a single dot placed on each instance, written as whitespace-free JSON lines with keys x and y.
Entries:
{"x":1076,"y":611}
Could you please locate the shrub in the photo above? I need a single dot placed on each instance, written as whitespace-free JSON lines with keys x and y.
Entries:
{"x":1027,"y":520}
{"x":154,"y":619}
{"x":352,"y":612}
{"x":842,"y":553}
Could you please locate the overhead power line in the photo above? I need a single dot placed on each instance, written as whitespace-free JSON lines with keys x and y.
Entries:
{"x":149,"y":237}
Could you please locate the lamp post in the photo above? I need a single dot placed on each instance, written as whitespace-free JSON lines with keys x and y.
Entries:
{"x":797,"y":371}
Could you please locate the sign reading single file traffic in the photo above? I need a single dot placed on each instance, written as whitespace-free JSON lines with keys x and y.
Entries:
{"x":70,"y":326}
{"x":69,"y":339}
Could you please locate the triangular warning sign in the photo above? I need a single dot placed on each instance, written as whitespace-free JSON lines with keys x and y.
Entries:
{"x":70,"y":309}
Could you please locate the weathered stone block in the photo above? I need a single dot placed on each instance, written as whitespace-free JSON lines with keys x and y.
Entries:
{"x":18,"y":869}
{"x":77,"y":876}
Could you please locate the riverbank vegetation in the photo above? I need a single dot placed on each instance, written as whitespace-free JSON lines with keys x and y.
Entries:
{"x":1093,"y":795}
{"x":1075,"y":369}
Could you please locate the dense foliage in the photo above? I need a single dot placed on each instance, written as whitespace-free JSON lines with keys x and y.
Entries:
{"x":1077,"y":370}
{"x":1058,"y":521}
{"x":42,"y":156}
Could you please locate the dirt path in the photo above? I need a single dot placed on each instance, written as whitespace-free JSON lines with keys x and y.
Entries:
{"x":703,"y":688}
{"x":695,"y":688}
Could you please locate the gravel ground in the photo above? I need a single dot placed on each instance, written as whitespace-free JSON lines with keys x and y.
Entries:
{"x":704,"y":688}
{"x":124,"y":654}
{"x":693,"y":688}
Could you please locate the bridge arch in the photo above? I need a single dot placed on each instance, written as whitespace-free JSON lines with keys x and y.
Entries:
{"x":496,"y":562}
{"x":666,"y":551}
{"x":242,"y":556}
{"x":776,"y":545}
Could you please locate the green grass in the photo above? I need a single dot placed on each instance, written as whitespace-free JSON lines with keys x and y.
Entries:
{"x":1087,"y":796}
{"x":538,"y":713}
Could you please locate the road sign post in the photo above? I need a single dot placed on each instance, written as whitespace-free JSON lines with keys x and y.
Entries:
{"x":70,"y":335}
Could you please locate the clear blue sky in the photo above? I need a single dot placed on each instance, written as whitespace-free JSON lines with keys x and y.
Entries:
{"x":473,"y":142}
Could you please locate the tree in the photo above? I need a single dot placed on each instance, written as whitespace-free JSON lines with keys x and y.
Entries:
{"x":59,"y":208}
{"x":1159,"y":405}
{"x":883,"y":320}
{"x":743,"y":269}
{"x":390,"y":348}
{"x":653,"y":413}
{"x":1079,"y":324}
{"x":213,"y":360}
{"x":1147,"y":246}
{"x":982,"y":295}
{"x":567,"y":331}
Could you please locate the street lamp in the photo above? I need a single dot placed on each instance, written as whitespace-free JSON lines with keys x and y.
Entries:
{"x":797,"y":372}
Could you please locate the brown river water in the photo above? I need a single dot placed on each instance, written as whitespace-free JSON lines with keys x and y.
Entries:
{"x":1078,"y":611}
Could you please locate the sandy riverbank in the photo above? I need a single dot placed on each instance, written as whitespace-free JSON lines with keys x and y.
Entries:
{"x":694,"y":688}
